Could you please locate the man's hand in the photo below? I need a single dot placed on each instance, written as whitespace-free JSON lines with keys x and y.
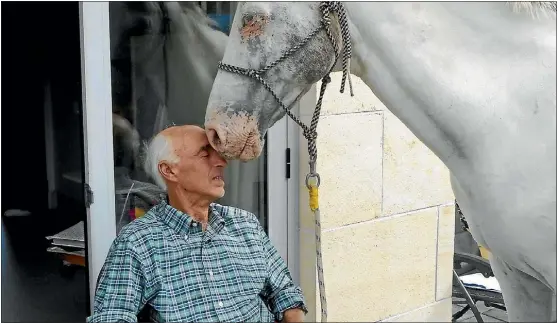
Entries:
{"x":293,"y":315}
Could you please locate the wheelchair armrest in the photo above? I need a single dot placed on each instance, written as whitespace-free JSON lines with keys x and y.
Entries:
{"x":477,"y":262}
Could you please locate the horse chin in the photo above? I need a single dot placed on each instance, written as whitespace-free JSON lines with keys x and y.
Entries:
{"x":245,"y":157}
{"x":247,"y":153}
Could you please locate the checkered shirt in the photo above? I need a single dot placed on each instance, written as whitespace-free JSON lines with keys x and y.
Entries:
{"x":229,"y":273}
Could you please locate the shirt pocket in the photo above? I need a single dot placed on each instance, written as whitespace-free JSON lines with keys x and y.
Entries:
{"x":181,"y":268}
{"x":246,"y":261}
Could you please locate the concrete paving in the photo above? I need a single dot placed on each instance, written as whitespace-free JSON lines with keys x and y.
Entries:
{"x":489,"y":314}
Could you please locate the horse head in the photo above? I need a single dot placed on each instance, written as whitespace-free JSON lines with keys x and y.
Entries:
{"x":264,"y":42}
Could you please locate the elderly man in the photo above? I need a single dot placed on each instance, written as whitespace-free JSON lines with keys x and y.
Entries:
{"x":190,"y":259}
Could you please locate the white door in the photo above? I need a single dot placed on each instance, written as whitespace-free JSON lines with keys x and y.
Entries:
{"x":128,"y":87}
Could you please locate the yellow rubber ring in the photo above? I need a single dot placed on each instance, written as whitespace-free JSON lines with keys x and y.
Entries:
{"x":313,"y":197}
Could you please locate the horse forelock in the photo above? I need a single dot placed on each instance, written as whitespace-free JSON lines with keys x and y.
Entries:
{"x":535,"y":9}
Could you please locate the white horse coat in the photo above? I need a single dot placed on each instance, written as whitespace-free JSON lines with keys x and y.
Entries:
{"x":474,"y":81}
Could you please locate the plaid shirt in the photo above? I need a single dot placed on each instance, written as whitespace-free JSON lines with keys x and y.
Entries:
{"x":229,"y":273}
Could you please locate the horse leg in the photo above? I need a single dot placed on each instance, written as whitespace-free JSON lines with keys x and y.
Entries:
{"x":526,"y":298}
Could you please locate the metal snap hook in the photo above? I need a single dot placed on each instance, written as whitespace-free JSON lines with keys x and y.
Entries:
{"x":314,"y":176}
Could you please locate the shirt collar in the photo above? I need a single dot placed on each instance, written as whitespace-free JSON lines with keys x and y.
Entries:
{"x":181,"y":222}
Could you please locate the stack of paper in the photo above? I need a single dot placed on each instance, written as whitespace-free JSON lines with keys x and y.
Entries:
{"x":70,"y":241}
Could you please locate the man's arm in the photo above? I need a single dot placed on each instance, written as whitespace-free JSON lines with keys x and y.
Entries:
{"x":120,"y":287}
{"x":285,"y":299}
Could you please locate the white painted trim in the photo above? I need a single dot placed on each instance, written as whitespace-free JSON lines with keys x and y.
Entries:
{"x":97,"y":123}
{"x":277,"y":187}
{"x":293,"y":131}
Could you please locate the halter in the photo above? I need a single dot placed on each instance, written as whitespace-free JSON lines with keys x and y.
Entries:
{"x":310,"y":132}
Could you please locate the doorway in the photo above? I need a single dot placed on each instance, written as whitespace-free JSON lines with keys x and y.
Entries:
{"x":151,"y":81}
{"x":42,"y":144}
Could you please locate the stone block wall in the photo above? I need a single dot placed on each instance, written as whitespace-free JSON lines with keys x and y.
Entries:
{"x":387,"y":215}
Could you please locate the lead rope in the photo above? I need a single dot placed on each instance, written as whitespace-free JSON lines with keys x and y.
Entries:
{"x":310,"y":133}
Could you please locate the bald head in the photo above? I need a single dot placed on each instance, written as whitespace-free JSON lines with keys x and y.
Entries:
{"x":182,"y":155}
{"x":184,"y":139}
{"x":166,"y":146}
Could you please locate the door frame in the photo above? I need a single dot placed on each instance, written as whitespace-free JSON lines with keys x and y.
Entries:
{"x":293,"y":191}
{"x":99,"y":158}
{"x":277,"y":187}
{"x":97,"y":135}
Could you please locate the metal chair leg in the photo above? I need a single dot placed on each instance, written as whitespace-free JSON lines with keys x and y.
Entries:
{"x":468,"y":298}
{"x":461,"y":312}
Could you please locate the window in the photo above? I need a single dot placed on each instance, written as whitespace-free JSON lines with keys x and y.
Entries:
{"x":163,"y":60}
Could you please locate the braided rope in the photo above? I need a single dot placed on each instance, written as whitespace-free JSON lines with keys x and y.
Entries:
{"x":310,"y":133}
{"x":320,"y":275}
{"x":347,"y":43}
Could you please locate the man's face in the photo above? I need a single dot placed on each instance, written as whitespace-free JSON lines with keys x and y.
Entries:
{"x":200,"y":169}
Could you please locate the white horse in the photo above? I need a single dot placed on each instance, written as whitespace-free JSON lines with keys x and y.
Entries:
{"x":474,"y":81}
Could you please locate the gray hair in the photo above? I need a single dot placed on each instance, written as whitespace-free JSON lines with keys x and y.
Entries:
{"x":157,"y":150}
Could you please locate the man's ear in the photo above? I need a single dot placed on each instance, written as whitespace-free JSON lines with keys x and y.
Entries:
{"x":166,"y":171}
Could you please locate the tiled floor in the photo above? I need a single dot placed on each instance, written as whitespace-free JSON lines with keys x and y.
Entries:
{"x":31,"y":277}
{"x":488,"y":314}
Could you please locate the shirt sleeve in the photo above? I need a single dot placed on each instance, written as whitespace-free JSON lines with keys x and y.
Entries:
{"x":120,"y":287}
{"x":280,"y":291}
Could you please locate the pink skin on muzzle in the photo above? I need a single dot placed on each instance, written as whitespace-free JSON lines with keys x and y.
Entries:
{"x":234,"y":137}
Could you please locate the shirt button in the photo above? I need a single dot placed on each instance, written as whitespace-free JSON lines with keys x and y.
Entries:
{"x":221,"y":304}
{"x":211,"y":273}
{"x":194,"y":224}
{"x":186,"y":237}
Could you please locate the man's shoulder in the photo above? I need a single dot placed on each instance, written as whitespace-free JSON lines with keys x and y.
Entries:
{"x":140,"y":229}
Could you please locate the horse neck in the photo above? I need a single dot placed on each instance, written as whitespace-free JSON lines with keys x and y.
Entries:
{"x":192,"y":52}
{"x":435,"y":67}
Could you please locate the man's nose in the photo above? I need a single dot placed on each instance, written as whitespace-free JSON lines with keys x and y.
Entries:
{"x":219,"y":160}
